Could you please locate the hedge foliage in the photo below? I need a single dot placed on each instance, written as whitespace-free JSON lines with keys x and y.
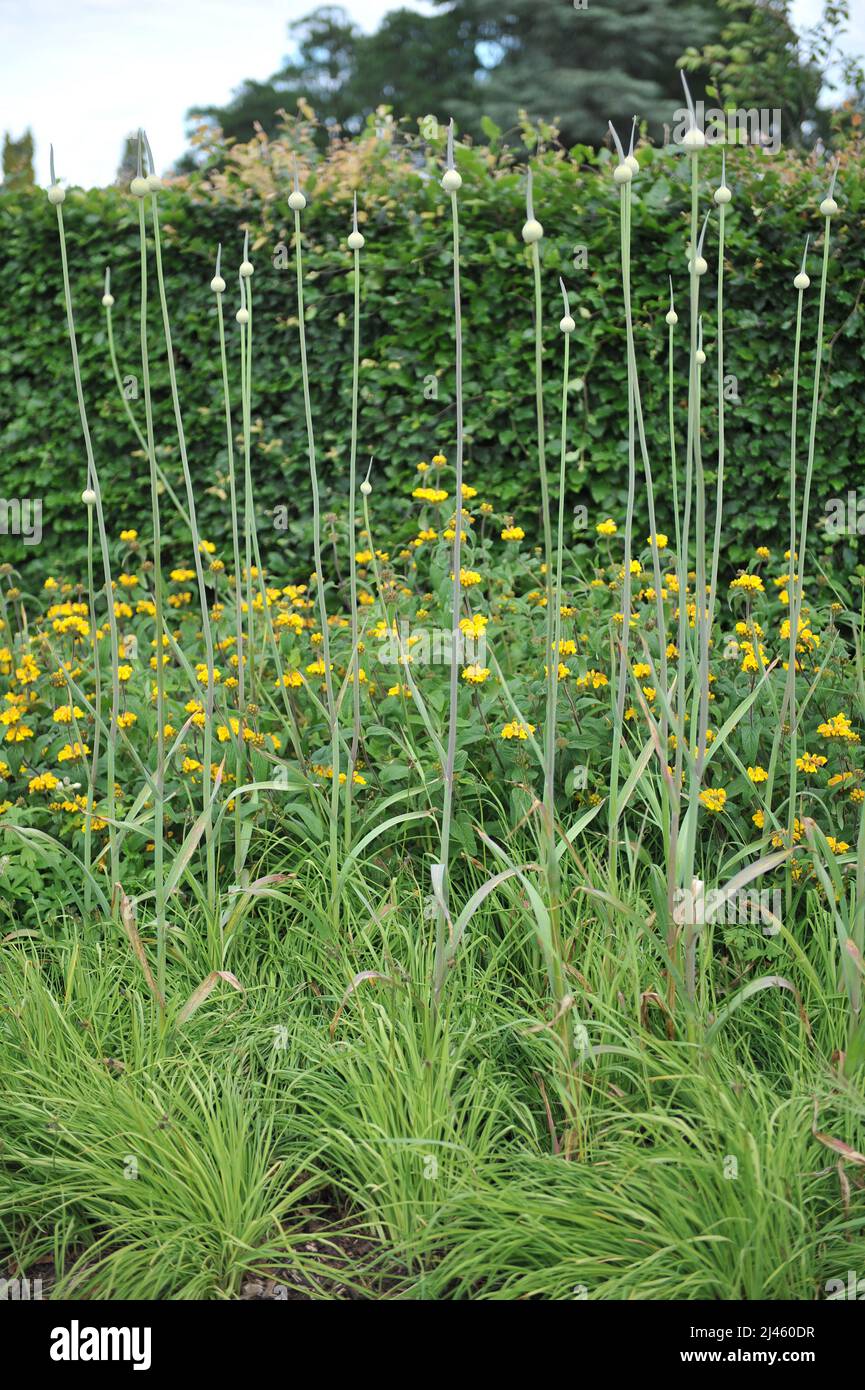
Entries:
{"x":407,"y":345}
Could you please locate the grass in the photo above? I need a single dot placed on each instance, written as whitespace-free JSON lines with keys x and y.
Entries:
{"x":393,"y":971}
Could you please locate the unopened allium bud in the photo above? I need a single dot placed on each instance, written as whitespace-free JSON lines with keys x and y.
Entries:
{"x":802,"y":281}
{"x":623,"y":173}
{"x":107,"y":301}
{"x":217,"y":284}
{"x":722,"y":194}
{"x":451,"y":179}
{"x":567,"y":324}
{"x":138,"y":187}
{"x":532,"y":229}
{"x":700,"y":357}
{"x":242,"y":316}
{"x":828,"y":207}
{"x":88,"y":497}
{"x":296,"y":201}
{"x":366,"y":487}
{"x":355,"y":237}
{"x":630,"y":158}
{"x":693,"y":139}
{"x":671,"y":317}
{"x":56,"y":194}
{"x":154,"y":183}
{"x":246,"y":269}
{"x":698,"y":266}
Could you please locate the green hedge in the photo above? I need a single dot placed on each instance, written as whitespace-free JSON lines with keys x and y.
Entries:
{"x":407,"y":338}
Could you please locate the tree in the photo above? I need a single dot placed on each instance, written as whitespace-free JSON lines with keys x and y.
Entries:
{"x":575,"y":63}
{"x":759,"y":61}
{"x":18,"y":161}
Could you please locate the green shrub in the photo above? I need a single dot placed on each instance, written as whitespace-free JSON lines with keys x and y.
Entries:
{"x":406,"y":334}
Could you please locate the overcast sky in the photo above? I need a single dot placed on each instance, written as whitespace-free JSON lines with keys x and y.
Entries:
{"x":83,"y":73}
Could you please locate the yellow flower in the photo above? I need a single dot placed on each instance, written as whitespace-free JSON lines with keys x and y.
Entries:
{"x":751,"y":583}
{"x":513,"y":533}
{"x":64,"y":714}
{"x":124,"y":673}
{"x":811,"y":762}
{"x":759,"y":819}
{"x":758,"y":774}
{"x":363,"y":557}
{"x":838,"y":727}
{"x":43,"y":782}
{"x":659,"y":539}
{"x":475,"y":674}
{"x":292,"y":679}
{"x":472,"y":627}
{"x":837,"y":846}
{"x":70,"y":751}
{"x":641,"y":669}
{"x":130,"y":535}
{"x":606,"y":528}
{"x":713,"y":798}
{"x":127,"y":720}
{"x":595,"y":679}
{"x":516,"y":729}
{"x":468,"y":578}
{"x":430,"y":494}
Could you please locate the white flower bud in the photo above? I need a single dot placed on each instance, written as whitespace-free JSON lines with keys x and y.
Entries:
{"x":532,"y":231}
{"x":699,"y":266}
{"x":246,"y":269}
{"x":633,"y":164}
{"x":671,"y":317}
{"x":56,"y":194}
{"x":802,"y":281}
{"x":366,"y":487}
{"x":107,"y":301}
{"x":452,"y":181}
{"x":623,"y":173}
{"x":217,"y":284}
{"x":355,"y":241}
{"x":296,"y":201}
{"x":828,"y":207}
{"x":88,"y":497}
{"x":242,"y":316}
{"x":693,"y":139}
{"x":722,"y":194}
{"x":567,"y":324}
{"x":154,"y":183}
{"x":700,"y":357}
{"x":139,"y":187}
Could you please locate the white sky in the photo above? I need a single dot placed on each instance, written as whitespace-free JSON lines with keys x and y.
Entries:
{"x":84,"y":73}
